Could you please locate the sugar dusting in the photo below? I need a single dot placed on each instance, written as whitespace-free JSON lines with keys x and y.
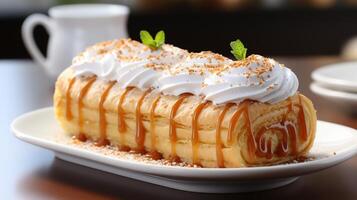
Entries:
{"x":114,"y":152}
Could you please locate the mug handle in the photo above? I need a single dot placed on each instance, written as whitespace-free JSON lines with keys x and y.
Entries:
{"x":27,"y":35}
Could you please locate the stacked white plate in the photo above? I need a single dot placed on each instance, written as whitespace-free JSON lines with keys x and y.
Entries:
{"x":337,"y":83}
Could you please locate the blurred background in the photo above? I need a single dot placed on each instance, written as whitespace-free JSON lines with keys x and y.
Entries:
{"x":269,"y":27}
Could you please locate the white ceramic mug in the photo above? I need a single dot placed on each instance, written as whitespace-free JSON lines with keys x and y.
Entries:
{"x":72,"y":28}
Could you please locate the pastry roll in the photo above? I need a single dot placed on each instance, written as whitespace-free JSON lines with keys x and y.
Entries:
{"x":199,"y":108}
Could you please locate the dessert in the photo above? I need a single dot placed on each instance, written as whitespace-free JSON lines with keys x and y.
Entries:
{"x":200,"y":108}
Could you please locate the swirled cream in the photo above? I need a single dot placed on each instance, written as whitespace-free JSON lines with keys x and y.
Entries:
{"x":174,"y":71}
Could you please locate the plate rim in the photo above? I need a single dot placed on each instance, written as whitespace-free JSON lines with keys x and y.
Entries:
{"x":334,"y":82}
{"x":248,"y":173}
{"x":327,"y":92}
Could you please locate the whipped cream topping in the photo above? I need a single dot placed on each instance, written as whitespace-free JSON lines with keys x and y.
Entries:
{"x":174,"y":71}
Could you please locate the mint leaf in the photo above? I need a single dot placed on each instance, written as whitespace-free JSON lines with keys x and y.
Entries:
{"x":149,"y":41}
{"x":238,"y":49}
{"x":160,"y":38}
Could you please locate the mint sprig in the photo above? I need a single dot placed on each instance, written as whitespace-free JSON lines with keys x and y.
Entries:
{"x":238,"y":50}
{"x":149,"y":41}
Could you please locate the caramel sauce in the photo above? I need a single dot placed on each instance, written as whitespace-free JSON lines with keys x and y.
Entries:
{"x":82,"y":94}
{"x":124,"y":148}
{"x":265,"y":147}
{"x":251,"y":140}
{"x":259,"y":146}
{"x":242,"y":109}
{"x":121,"y":120}
{"x":153,"y":153}
{"x":290,"y":107}
{"x":303,"y":131}
{"x":69,"y":115}
{"x":287,"y":135}
{"x":291,"y":130}
{"x":172,"y":127}
{"x":293,"y":138}
{"x":81,"y":137}
{"x":284,"y":131}
{"x":140,"y":129}
{"x":219,"y":152}
{"x":195,"y":134}
{"x":102,"y":119}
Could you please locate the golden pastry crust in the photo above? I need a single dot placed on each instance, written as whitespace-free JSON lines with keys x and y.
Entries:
{"x":281,"y":125}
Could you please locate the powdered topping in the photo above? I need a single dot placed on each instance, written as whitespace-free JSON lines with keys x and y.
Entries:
{"x":174,"y":71}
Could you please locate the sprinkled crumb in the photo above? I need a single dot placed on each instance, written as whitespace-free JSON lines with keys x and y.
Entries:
{"x":174,"y":60}
{"x":302,"y":159}
{"x":113,"y":151}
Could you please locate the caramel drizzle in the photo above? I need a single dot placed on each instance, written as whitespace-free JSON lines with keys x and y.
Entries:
{"x":302,"y":122}
{"x":82,"y":94}
{"x":251,"y":140}
{"x":81,"y":137}
{"x":290,"y":107}
{"x":172,"y":127}
{"x":242,"y":109}
{"x":69,"y":115}
{"x":153,"y":153}
{"x":293,"y":139}
{"x":195,"y":134}
{"x":289,"y":131}
{"x":286,"y":132}
{"x":140,"y":129}
{"x":102,"y":119}
{"x":219,"y":152}
{"x":264,"y":147}
{"x":121,"y":120}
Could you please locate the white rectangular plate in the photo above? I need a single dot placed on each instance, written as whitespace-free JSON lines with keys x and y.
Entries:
{"x":333,"y":145}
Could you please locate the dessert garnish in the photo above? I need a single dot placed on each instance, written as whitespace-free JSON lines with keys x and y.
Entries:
{"x":149,"y":41}
{"x":238,"y":49}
